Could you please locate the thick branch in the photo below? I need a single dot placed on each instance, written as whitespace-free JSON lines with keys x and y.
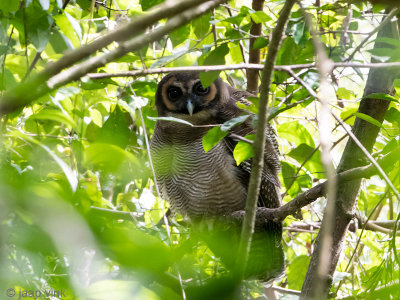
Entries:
{"x":35,"y":87}
{"x":292,"y":207}
{"x":259,"y":144}
{"x":134,"y":44}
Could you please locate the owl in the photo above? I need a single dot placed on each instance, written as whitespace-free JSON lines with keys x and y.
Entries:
{"x":202,"y":185}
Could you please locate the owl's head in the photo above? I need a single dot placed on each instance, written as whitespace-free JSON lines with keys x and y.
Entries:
{"x":183,"y":94}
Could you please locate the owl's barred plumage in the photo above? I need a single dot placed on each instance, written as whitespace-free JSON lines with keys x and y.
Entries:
{"x":201,"y":185}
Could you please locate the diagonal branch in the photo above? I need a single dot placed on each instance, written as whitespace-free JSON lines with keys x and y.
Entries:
{"x":259,"y":144}
{"x":292,"y":207}
{"x":35,"y":86}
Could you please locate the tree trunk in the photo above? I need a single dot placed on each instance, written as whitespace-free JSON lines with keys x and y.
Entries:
{"x":379,"y":81}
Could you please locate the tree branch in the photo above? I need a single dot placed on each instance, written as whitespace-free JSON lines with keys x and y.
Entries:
{"x":259,"y":67}
{"x":292,"y":207}
{"x":34,"y":87}
{"x":132,"y":45}
{"x":254,"y":54}
{"x":362,"y":139}
{"x":259,"y":144}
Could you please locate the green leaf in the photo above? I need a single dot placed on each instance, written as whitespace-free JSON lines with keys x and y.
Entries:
{"x":170,"y":119}
{"x":296,"y":271}
{"x":201,"y":25}
{"x":116,"y":129}
{"x":75,"y":25}
{"x":381,"y":96}
{"x":39,"y":28}
{"x":107,"y":157}
{"x":180,"y":35}
{"x":59,"y":42}
{"x":260,"y":42}
{"x":8,"y":81}
{"x":381,"y":54}
{"x":296,"y":133}
{"x":260,"y":17}
{"x":68,"y":172}
{"x":54,"y":115}
{"x":228,"y":125}
{"x":96,"y":117}
{"x":298,"y":33}
{"x":297,"y":184}
{"x":344,"y":93}
{"x":243,"y":151}
{"x":313,"y":164}
{"x":388,"y":41}
{"x":369,"y":119}
{"x":392,"y":145}
{"x":9,"y":6}
{"x":147,"y":4}
{"x":215,"y":57}
{"x":212,"y":138}
{"x":393,"y":115}
{"x":68,"y":30}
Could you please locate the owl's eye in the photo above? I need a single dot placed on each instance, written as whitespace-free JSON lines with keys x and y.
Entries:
{"x":174,"y":93}
{"x":200,"y":90}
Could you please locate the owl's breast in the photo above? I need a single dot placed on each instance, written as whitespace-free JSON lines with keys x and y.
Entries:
{"x":198,"y":183}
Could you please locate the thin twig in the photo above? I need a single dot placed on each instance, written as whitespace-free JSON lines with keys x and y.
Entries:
{"x":285,"y":68}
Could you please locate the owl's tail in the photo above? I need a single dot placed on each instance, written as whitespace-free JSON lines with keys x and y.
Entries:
{"x":266,"y":258}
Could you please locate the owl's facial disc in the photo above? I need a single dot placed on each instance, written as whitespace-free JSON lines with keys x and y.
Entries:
{"x":189,"y":97}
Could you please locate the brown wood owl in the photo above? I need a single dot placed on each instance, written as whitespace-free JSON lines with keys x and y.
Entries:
{"x":199,"y":184}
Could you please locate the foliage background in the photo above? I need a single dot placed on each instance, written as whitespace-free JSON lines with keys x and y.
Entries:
{"x":78,"y":207}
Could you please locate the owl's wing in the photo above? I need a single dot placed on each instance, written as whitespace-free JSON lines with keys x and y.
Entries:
{"x":270,"y":185}
{"x":266,"y":256}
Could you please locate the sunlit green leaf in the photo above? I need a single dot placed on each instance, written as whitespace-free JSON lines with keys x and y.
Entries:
{"x":260,"y":42}
{"x":213,"y":137}
{"x":242,"y":152}
{"x":297,"y":270}
{"x":260,"y":17}
{"x":215,"y":57}
{"x":381,"y":97}
{"x":54,"y":115}
{"x":107,"y":157}
{"x":368,"y":119}
{"x":228,"y":125}
{"x":296,"y":133}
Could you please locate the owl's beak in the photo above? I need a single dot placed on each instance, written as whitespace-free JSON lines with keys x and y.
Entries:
{"x":190,"y":107}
